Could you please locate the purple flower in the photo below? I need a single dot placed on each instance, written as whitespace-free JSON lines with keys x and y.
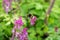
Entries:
{"x":19,"y":34}
{"x":33,"y":20}
{"x":23,"y":35}
{"x":14,"y":29}
{"x":19,"y":23}
{"x":25,"y":32}
{"x":7,"y":5}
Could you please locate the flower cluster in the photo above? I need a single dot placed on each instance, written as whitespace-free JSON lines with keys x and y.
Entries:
{"x":21,"y":34}
{"x":7,"y":5}
{"x":18,"y":22}
{"x":33,"y":20}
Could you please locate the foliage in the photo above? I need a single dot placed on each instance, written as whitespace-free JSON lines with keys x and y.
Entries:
{"x":36,"y":8}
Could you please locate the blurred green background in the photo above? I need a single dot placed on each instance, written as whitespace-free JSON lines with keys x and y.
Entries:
{"x":39,"y":8}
